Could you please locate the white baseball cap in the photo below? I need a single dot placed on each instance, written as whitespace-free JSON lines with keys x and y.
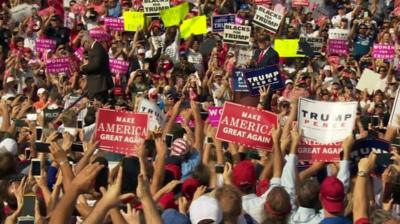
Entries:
{"x":8,"y":145}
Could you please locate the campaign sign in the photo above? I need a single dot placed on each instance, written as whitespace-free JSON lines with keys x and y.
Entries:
{"x":262,"y":2}
{"x":316,"y":43}
{"x":218,"y":22}
{"x":238,"y":82}
{"x":237,"y":34}
{"x":326,"y":122}
{"x":383,"y":51}
{"x":363,"y":147}
{"x":99,"y":34}
{"x":113,"y":23}
{"x":300,"y":3}
{"x":267,"y":76}
{"x":156,"y":115}
{"x":338,"y":34}
{"x":120,"y":131}
{"x":246,"y":126}
{"x":214,"y":114}
{"x":57,"y":65}
{"x":339,"y":47}
{"x":267,"y":19}
{"x":152,"y":8}
{"x":179,"y":120}
{"x":118,"y":66}
{"x":309,"y":150}
{"x":79,"y":53}
{"x":43,"y":44}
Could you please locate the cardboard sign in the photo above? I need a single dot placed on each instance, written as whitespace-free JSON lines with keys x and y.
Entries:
{"x":43,"y":44}
{"x":238,"y":81}
{"x":133,"y":20}
{"x":195,"y":25}
{"x":156,"y":115}
{"x":339,"y":47}
{"x":369,"y":80}
{"x":113,"y":23}
{"x":300,"y":3}
{"x":383,"y":51}
{"x":246,"y":126}
{"x":214,"y":114}
{"x":338,"y":34}
{"x":309,"y":150}
{"x":267,"y":19}
{"x":218,"y":22}
{"x":237,"y":33}
{"x":316,"y":43}
{"x":326,"y":122}
{"x":20,"y":12}
{"x":393,"y":120}
{"x":267,"y":76}
{"x":118,"y":66}
{"x":244,"y":55}
{"x":287,"y":48}
{"x":120,"y":131}
{"x":99,"y":34}
{"x":173,"y":16}
{"x":57,"y":65}
{"x":70,"y":100}
{"x":363,"y":147}
{"x":79,"y":53}
{"x":152,"y":8}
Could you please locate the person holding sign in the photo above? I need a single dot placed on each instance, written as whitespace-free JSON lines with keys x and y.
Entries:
{"x":265,"y":55}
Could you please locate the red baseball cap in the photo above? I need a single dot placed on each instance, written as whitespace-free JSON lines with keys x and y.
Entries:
{"x":244,"y":174}
{"x":190,"y":186}
{"x":332,"y":194}
{"x":174,"y":169}
{"x":167,"y":201}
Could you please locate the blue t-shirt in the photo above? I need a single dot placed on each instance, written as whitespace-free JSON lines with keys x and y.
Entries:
{"x":336,"y":220}
{"x":361,"y":46}
{"x":189,"y":164}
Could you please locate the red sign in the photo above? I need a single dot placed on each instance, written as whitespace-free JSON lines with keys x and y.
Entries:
{"x":309,"y":150}
{"x":246,"y":125}
{"x":263,"y":2}
{"x":120,"y":131}
{"x":299,"y":3}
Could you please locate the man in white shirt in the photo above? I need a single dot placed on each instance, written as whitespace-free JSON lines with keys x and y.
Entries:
{"x":342,"y":14}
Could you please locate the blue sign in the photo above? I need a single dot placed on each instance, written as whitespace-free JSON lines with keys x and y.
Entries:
{"x":218,"y":22}
{"x":266,"y":76}
{"x":363,"y":147}
{"x":238,"y":82}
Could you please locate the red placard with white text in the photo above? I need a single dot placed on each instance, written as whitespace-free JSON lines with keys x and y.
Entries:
{"x":120,"y":131}
{"x":300,"y":3}
{"x":309,"y":150}
{"x":246,"y":126}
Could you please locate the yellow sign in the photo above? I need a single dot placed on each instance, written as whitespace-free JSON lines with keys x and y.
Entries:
{"x":133,"y":20}
{"x":287,"y":48}
{"x":173,"y":16}
{"x":195,"y":25}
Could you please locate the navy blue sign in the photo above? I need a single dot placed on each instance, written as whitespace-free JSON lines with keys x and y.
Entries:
{"x":263,"y":77}
{"x":363,"y":147}
{"x":238,"y":82}
{"x":218,"y":22}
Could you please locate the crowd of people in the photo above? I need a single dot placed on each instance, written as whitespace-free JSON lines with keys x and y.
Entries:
{"x":193,"y":177}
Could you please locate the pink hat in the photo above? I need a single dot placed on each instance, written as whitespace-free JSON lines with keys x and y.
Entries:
{"x":179,"y":147}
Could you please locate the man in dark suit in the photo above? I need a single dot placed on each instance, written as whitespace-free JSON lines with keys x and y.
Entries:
{"x":97,"y":70}
{"x":265,"y":55}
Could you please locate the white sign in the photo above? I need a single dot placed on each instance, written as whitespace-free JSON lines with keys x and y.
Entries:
{"x":237,"y":33}
{"x":394,"y":121}
{"x":153,"y":8}
{"x":156,"y":115}
{"x":267,"y":19}
{"x":316,"y":43}
{"x":326,"y":122}
{"x":70,"y":100}
{"x":369,"y":80}
{"x":338,"y":34}
{"x":20,"y":12}
{"x":244,"y":55}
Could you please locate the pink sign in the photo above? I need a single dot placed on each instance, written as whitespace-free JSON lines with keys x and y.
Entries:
{"x":118,"y":66}
{"x":299,"y":3}
{"x":239,"y":21}
{"x":383,"y":51}
{"x":57,"y":65}
{"x":43,"y":44}
{"x":99,"y":34}
{"x":79,"y":53}
{"x":339,"y":47}
{"x":113,"y":23}
{"x":179,"y":120}
{"x":214,"y":114}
